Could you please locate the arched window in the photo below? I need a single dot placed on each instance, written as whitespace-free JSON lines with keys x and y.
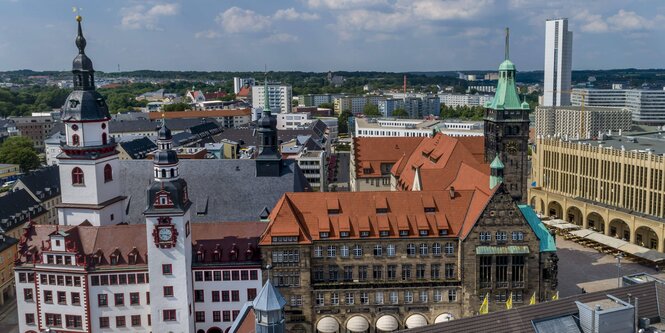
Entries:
{"x":104,"y":140}
{"x":172,"y":173}
{"x":163,"y":173}
{"x":108,"y":173}
{"x":75,"y":140}
{"x":77,"y":176}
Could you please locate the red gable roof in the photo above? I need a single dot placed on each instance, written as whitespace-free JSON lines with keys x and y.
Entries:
{"x":245,"y":91}
{"x":307,"y":215}
{"x":371,"y":152}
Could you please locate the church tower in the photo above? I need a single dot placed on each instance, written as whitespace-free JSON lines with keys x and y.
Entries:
{"x":269,"y":160}
{"x":169,"y":240}
{"x":89,"y":160}
{"x":506,"y":129}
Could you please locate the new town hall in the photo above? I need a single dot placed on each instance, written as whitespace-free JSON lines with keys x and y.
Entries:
{"x":345,"y":262}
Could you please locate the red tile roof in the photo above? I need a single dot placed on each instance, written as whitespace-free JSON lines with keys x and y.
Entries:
{"x":200,"y":114}
{"x":371,"y":152}
{"x":215,"y":95}
{"x":245,"y":91}
{"x":441,"y":160}
{"x":306,"y":215}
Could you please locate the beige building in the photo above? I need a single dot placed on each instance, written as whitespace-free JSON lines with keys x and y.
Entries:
{"x":614,"y":186}
{"x":355,"y":104}
{"x":576,"y":122}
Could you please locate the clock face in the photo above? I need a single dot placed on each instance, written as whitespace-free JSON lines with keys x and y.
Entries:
{"x":512,"y":147}
{"x":165,"y":234}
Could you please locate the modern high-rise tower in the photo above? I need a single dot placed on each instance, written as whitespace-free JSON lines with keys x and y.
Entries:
{"x":558,"y":62}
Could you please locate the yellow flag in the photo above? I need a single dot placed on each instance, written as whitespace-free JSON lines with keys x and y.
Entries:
{"x":484,"y":307}
{"x":509,"y":302}
{"x":556,"y":296}
{"x":533,"y":299}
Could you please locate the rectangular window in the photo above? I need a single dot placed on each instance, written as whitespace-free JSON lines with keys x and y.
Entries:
{"x":235,"y":314}
{"x":200,"y":316}
{"x":27,"y":295}
{"x":450,"y":271}
{"x":235,"y":295}
{"x":244,"y":275}
{"x":408,"y":297}
{"x":226,"y":275}
{"x":122,"y":278}
{"x":438,"y":295}
{"x":30,"y":318}
{"x":390,"y":250}
{"x":435,"y":271}
{"x":501,"y":236}
{"x":102,"y":300}
{"x":348,"y":298}
{"x":377,"y":272}
{"x":217,"y":276}
{"x":334,"y":298}
{"x":119,"y":299}
{"x":215,"y":296}
{"x":332,"y":273}
{"x":48,"y":296}
{"x":225,"y":296}
{"x":207,"y":275}
{"x":502,"y":271}
{"x":331,"y":251}
{"x":452,"y":295}
{"x":319,"y":300}
{"x":253,"y":275}
{"x":364,"y":297}
{"x":485,"y":236}
{"x":73,"y":321}
{"x":168,"y":291}
{"x":392,"y":272}
{"x":378,"y":298}
{"x":420,"y":271}
{"x":134,"y":299}
{"x":198,"y":276}
{"x":362,"y":273}
{"x":518,"y":271}
{"x":317,"y":273}
{"x":394,"y":297}
{"x":423,"y":296}
{"x":251,"y":294}
{"x":226,"y":315}
{"x":169,"y":315}
{"x":136,"y":320}
{"x":485,"y":272}
{"x":76,"y":298}
{"x":103,"y":322}
{"x":120,"y":321}
{"x":296,"y":300}
{"x":406,"y":272}
{"x":216,"y":316}
{"x":53,"y":320}
{"x":167,"y":269}
{"x":235,"y":275}
{"x":198,"y":296}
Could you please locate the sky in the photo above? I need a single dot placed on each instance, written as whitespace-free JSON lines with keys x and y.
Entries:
{"x":323,"y":35}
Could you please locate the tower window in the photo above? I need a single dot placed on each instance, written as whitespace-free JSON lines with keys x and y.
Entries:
{"x":104,"y":139}
{"x":172,"y":173}
{"x":75,"y":140}
{"x":163,"y":173}
{"x":108,"y":173}
{"x":103,"y":125}
{"x":77,"y":176}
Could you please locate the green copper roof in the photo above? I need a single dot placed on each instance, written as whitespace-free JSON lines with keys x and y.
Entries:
{"x":547,"y":243}
{"x":506,"y":97}
{"x":512,"y":249}
{"x":496,"y":163}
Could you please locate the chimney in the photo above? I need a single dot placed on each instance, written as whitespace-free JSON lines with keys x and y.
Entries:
{"x":452,"y":192}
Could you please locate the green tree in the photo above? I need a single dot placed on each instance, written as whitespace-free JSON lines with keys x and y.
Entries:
{"x":327,"y":106}
{"x":343,"y":121}
{"x":176,"y":107}
{"x":19,"y":150}
{"x":371,"y":110}
{"x":400,"y":113}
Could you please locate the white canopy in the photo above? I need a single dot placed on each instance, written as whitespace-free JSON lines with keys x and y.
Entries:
{"x":327,"y":325}
{"x":416,"y":320}
{"x":357,"y":324}
{"x":444,"y":317}
{"x":387,"y":323}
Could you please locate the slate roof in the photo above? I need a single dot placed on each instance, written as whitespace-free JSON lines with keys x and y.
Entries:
{"x":520,"y":319}
{"x":247,"y":137}
{"x":144,"y":125}
{"x":139,"y":148}
{"x":6,"y":242}
{"x":269,"y":298}
{"x":16,"y":208}
{"x":43,"y":183}
{"x":221,"y":190}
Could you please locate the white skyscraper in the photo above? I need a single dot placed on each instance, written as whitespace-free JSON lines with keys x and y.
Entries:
{"x":558,"y":62}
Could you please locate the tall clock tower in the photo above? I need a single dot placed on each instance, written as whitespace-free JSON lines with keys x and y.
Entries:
{"x":89,"y":160}
{"x":507,"y":130}
{"x":169,"y":242}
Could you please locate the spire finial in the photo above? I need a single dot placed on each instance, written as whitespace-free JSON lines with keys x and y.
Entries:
{"x":80,"y":40}
{"x":507,"y":47}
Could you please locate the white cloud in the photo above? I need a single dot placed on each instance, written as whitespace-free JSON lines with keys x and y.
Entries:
{"x":142,"y":17}
{"x":237,"y":20}
{"x":281,"y":38}
{"x":290,"y":14}
{"x":445,"y":9}
{"x":623,"y":21}
{"x":344,"y":4}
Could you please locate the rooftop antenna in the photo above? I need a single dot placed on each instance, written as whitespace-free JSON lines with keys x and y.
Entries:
{"x":404,"y":85}
{"x":507,"y":47}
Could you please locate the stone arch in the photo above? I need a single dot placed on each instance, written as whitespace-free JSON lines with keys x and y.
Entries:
{"x":596,"y":222}
{"x":554,"y":208}
{"x":574,"y":215}
{"x":215,"y":330}
{"x":348,"y":320}
{"x":620,"y":229}
{"x":532,"y":202}
{"x":380,"y":317}
{"x":647,"y":237}
{"x":541,"y":209}
{"x":416,"y":315}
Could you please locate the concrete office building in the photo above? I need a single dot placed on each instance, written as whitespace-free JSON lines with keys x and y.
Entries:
{"x":415,"y":107}
{"x":647,"y":106}
{"x":464,"y":99}
{"x":558,"y":62}
{"x":576,"y":122}
{"x":355,"y":104}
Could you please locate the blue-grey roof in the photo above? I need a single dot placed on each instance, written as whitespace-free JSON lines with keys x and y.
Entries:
{"x":138,"y":148}
{"x":6,"y":241}
{"x":16,"y":208}
{"x":220,"y":190}
{"x":547,"y":243}
{"x":144,"y":125}
{"x":269,"y":299}
{"x":43,"y":183}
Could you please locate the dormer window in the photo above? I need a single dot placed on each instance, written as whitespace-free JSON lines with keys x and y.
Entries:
{"x":423,"y":232}
{"x":384,"y":233}
{"x":163,"y":200}
{"x":114,"y":259}
{"x":344,"y":234}
{"x":324,"y":234}
{"x":132,"y":258}
{"x":333,"y":211}
{"x":382,"y":210}
{"x":404,"y":233}
{"x":364,"y":234}
{"x":443,"y":232}
{"x":217,"y":256}
{"x":200,"y":256}
{"x":430,"y":210}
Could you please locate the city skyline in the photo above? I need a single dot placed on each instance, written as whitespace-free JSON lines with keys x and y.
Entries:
{"x":371,"y":35}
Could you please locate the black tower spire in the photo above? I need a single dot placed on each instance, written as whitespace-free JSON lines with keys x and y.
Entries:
{"x":268,"y":162}
{"x":84,"y":74}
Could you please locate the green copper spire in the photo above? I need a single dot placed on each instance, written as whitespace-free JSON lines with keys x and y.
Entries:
{"x":496,"y":172}
{"x":506,"y":96}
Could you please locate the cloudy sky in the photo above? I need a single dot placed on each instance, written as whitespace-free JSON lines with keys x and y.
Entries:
{"x":322,"y":35}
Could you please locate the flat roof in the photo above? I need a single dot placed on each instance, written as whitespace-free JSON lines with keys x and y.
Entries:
{"x":645,"y":142}
{"x":605,"y":304}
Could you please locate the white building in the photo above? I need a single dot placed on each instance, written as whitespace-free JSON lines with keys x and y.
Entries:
{"x":314,"y":167}
{"x":455,"y":100}
{"x":294,"y":120}
{"x":647,"y":106}
{"x":575,"y":122}
{"x":356,"y":104}
{"x":279,"y":97}
{"x":371,"y":127}
{"x":90,"y":273}
{"x":558,"y":62}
